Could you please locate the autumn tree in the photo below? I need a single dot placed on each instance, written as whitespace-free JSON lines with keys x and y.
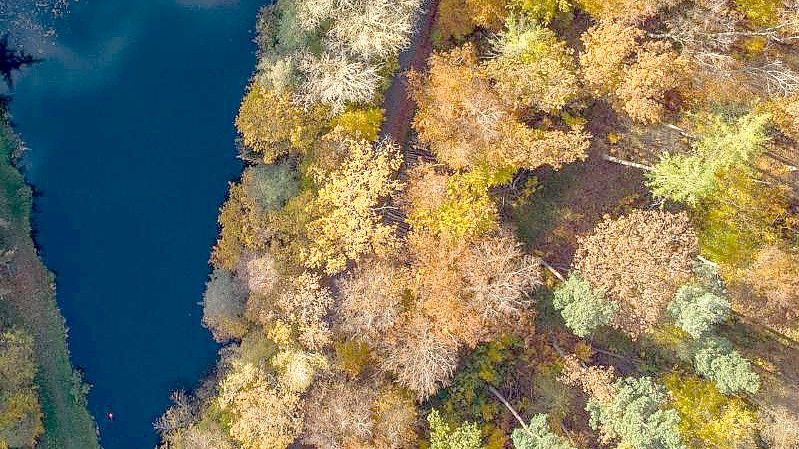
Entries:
{"x":532,"y":68}
{"x":634,"y":75}
{"x":371,"y":29}
{"x":773,"y":277}
{"x":336,"y":79}
{"x":421,"y":358}
{"x":330,"y":53}
{"x":583,"y":308}
{"x":467,"y":124}
{"x":452,"y":206}
{"x":271,"y":125}
{"x":242,"y":229}
{"x":624,"y":11}
{"x":370,"y":299}
{"x":223,"y":306}
{"x":339,"y":414}
{"x":708,"y":418}
{"x":346,"y":412}
{"x":447,"y":436}
{"x":470,"y":290}
{"x":458,"y":18}
{"x":639,"y":260}
{"x":304,"y":304}
{"x":264,"y":414}
{"x":347,"y":205}
{"x":544,"y":11}
{"x":270,"y":186}
{"x":499,"y":278}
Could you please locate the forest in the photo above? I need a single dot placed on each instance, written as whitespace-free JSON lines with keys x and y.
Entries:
{"x":528,"y":224}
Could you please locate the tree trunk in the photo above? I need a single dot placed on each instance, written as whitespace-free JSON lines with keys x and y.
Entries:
{"x":610,"y":158}
{"x":552,"y":270}
{"x":505,"y":402}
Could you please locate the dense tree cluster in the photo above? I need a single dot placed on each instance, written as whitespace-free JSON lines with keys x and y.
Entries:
{"x":379,"y":290}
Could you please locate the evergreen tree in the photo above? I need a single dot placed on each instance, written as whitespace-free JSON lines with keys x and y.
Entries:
{"x":636,"y":416}
{"x":715,"y":359}
{"x":583,"y":308}
{"x":538,"y":436}
{"x":697,"y":310}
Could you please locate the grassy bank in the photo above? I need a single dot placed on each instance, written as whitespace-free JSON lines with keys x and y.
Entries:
{"x":28,"y":302}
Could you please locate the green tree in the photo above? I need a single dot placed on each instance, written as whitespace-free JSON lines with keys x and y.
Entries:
{"x":583,"y":308}
{"x":696,"y":310}
{"x":636,"y":416}
{"x":715,"y":359}
{"x":446,"y":436}
{"x":723,"y":144}
{"x":270,"y":186}
{"x":223,"y":306}
{"x":538,"y":436}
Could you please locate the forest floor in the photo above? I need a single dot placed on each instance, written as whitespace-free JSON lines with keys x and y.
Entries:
{"x":27,"y":301}
{"x":397,"y":102}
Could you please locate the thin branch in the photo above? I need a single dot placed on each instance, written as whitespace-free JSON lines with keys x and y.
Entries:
{"x":552,"y":270}
{"x":610,"y":158}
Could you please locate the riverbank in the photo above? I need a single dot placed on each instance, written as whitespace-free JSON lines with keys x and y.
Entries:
{"x":28,"y":302}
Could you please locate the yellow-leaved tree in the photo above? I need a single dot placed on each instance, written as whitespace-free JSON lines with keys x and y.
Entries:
{"x":349,"y":205}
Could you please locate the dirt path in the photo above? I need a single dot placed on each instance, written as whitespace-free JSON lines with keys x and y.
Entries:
{"x":397,"y":104}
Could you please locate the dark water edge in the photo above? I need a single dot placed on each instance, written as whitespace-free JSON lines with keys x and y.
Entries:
{"x":129,"y":125}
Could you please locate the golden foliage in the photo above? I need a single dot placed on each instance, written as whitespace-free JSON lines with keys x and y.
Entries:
{"x":774,"y":279}
{"x":242,"y":229}
{"x":265,"y":415}
{"x":347,"y":205}
{"x":457,"y":18}
{"x":624,"y":11}
{"x":271,"y":124}
{"x":467,"y":124}
{"x":456,"y":206}
{"x":707,"y":417}
{"x":359,"y":123}
{"x":635,"y":76}
{"x":533,"y":68}
{"x":740,"y":218}
{"x":639,"y":260}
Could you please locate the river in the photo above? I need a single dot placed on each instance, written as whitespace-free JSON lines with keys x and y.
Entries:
{"x":129,"y":122}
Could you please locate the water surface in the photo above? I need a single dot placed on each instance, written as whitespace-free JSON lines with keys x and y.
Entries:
{"x":129,"y":125}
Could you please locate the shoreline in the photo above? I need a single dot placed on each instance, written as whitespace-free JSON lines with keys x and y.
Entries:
{"x":31,"y":305}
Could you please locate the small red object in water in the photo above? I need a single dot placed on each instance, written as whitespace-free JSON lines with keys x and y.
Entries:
{"x":110,"y":416}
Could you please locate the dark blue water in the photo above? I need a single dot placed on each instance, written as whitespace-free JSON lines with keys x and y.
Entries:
{"x":130,"y":126}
